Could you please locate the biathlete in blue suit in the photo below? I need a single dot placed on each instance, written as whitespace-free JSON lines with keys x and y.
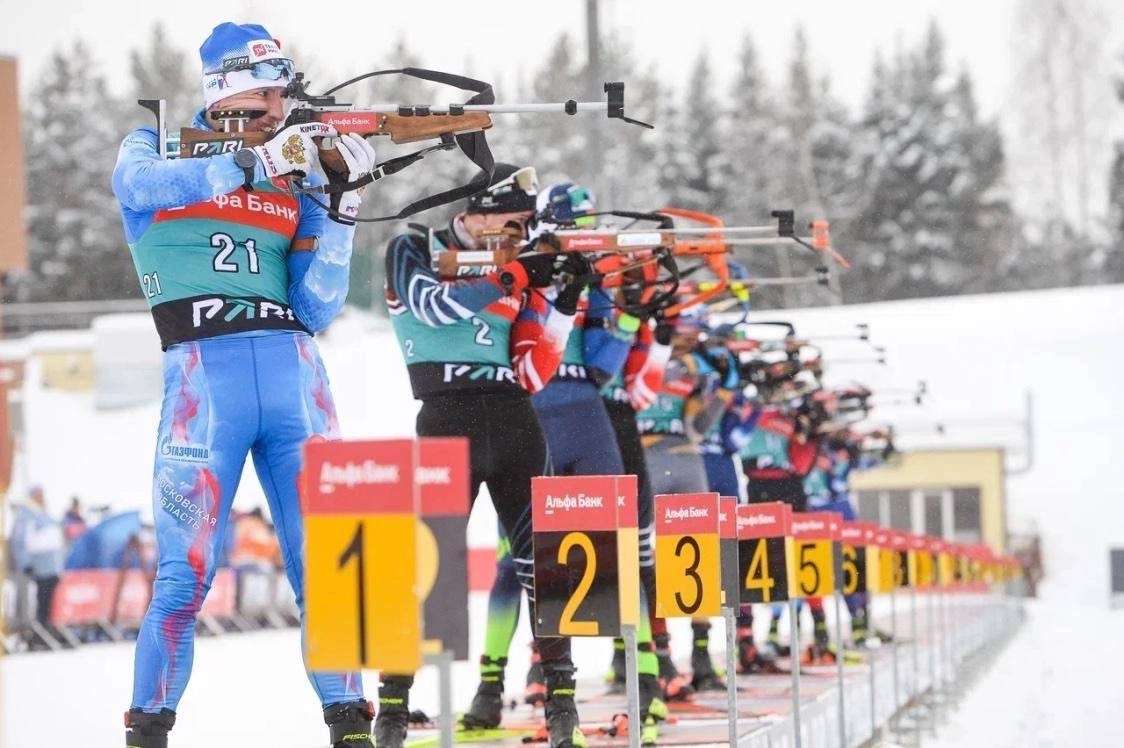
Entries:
{"x":238,"y":273}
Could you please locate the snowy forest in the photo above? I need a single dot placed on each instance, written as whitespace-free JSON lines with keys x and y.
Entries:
{"x":916,"y":183}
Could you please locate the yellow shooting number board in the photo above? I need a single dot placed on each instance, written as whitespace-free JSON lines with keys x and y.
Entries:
{"x":688,"y":570}
{"x":814,"y":575}
{"x":814,"y":546}
{"x":361,"y":529}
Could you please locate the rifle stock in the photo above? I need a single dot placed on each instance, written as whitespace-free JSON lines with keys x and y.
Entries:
{"x":399,"y":128}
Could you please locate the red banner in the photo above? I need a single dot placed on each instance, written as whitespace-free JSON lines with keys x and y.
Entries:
{"x":727,"y":517}
{"x":853,"y":533}
{"x":579,"y":502}
{"x":772,"y":519}
{"x":359,"y":477}
{"x":443,"y":476}
{"x":817,"y":525}
{"x":687,"y":514}
{"x":628,"y":503}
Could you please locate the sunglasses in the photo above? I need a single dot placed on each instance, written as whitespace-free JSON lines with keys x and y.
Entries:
{"x":524,"y":179}
{"x":266,"y":70}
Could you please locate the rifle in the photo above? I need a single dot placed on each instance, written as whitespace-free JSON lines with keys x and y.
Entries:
{"x":454,"y":125}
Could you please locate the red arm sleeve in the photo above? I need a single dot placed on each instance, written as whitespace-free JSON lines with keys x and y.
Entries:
{"x":538,"y":340}
{"x":644,"y":368}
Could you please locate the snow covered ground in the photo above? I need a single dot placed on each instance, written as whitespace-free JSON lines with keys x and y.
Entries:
{"x":978,"y":354}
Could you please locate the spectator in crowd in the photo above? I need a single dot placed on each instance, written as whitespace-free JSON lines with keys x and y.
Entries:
{"x":37,"y":550}
{"x":255,"y":543}
{"x":73,"y":523}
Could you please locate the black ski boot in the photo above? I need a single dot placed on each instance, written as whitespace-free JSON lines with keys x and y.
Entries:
{"x":562,"y":726}
{"x":535,"y":692}
{"x":486,"y":711}
{"x":752,"y":659}
{"x":145,"y":730}
{"x":350,"y":723}
{"x":394,"y":712}
{"x":820,"y":651}
{"x":652,"y":709}
{"x":676,"y":685}
{"x":703,"y":675}
{"x":616,"y":676}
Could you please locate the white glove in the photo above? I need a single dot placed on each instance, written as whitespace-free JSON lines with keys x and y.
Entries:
{"x":358,"y":153}
{"x":293,"y":151}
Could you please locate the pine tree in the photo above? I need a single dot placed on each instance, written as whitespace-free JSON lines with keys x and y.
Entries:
{"x":816,"y":148}
{"x":752,"y":137}
{"x":554,"y":145}
{"x":934,"y":218}
{"x":694,"y":157}
{"x":76,"y":247}
{"x":1114,"y":265}
{"x":628,"y":175}
{"x":161,"y":71}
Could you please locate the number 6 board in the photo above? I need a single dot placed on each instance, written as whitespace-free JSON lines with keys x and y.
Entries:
{"x":857,"y":538}
{"x":586,"y":554}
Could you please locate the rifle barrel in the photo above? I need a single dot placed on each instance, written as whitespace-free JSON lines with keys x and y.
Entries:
{"x":763,"y":241}
{"x":787,"y":280}
{"x":563,"y":107}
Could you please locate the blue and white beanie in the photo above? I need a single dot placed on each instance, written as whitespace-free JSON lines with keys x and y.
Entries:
{"x":228,"y":55}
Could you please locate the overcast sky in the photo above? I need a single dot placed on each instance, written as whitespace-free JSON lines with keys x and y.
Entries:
{"x":508,"y":35}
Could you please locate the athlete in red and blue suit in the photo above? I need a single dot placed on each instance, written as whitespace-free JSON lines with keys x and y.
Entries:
{"x":238,"y":273}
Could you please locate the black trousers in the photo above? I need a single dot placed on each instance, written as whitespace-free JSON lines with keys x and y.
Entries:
{"x":45,"y":587}
{"x":623,"y":418}
{"x":507,"y":449}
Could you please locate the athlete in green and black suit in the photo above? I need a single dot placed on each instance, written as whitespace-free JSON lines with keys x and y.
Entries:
{"x":474,"y":349}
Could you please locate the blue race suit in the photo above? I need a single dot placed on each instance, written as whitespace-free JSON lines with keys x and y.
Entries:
{"x":234,"y":302}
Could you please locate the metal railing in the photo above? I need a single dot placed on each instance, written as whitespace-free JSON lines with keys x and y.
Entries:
{"x":24,"y":318}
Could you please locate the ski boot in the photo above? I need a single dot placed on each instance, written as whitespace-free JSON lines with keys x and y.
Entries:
{"x":486,"y":711}
{"x":676,"y":685}
{"x":883,"y":637}
{"x":394,"y":713}
{"x":562,"y":726}
{"x":350,"y":723}
{"x":616,"y":675}
{"x":652,"y":709}
{"x":703,"y":675}
{"x":652,"y":712}
{"x":145,"y":730}
{"x":535,"y":692}
{"x":751,"y":659}
{"x":773,"y":648}
{"x":820,"y":651}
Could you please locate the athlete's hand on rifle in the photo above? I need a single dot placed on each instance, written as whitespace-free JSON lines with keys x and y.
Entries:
{"x":359,"y":156}
{"x":293,"y":150}
{"x":539,"y":267}
{"x":572,"y":270}
{"x":665,"y":330}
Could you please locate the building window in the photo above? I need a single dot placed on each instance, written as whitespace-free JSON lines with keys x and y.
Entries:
{"x":870,"y":506}
{"x":966,"y":515}
{"x":900,"y":514}
{"x":934,"y":524}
